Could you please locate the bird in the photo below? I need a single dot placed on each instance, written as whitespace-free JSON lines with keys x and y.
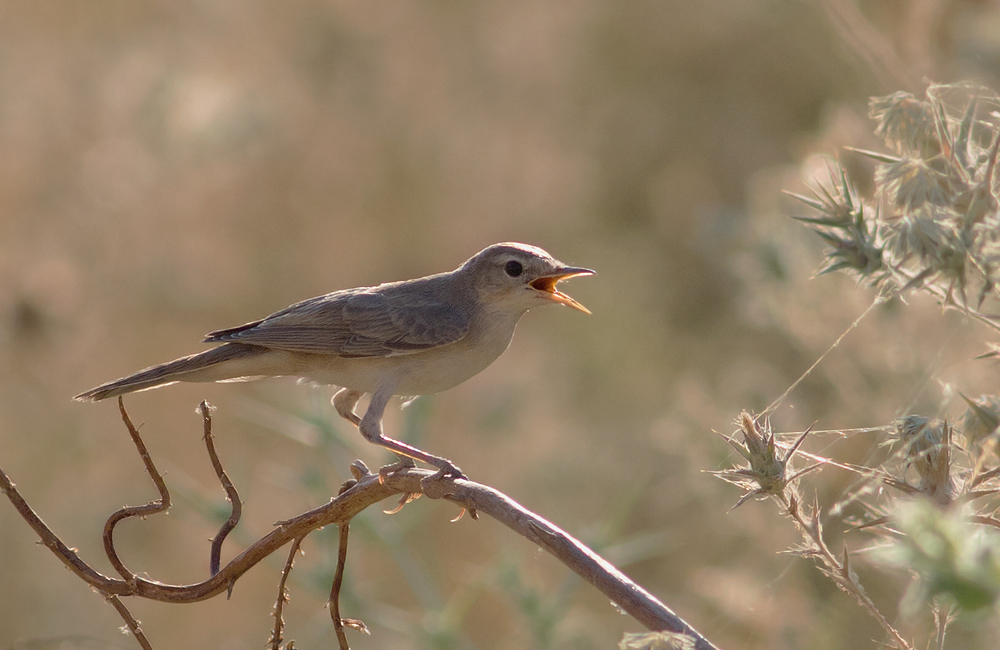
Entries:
{"x":408,"y":338}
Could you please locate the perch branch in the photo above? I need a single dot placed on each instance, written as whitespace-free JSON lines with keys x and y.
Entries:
{"x":369,"y":489}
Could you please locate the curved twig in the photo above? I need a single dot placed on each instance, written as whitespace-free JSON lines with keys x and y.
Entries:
{"x":232,"y":495}
{"x":153,"y":507}
{"x":627,"y":595}
{"x":368,"y":490}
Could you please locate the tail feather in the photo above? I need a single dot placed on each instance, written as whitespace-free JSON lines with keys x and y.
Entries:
{"x":173,"y":371}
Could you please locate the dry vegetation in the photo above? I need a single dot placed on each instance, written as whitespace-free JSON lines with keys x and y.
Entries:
{"x":168,"y":170}
{"x":925,"y":493}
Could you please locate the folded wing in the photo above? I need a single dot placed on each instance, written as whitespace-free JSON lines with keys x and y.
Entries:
{"x":355,"y":323}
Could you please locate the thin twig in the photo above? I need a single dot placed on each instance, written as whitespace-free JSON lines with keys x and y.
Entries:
{"x":130,"y":621}
{"x":627,"y":595}
{"x":942,"y":617}
{"x":232,"y":495}
{"x":279,"y":603}
{"x":369,"y":490}
{"x":837,"y":569}
{"x":623,"y":592}
{"x":153,"y":507}
{"x":67,"y":555}
{"x":338,"y":581}
{"x":868,"y":44}
{"x":359,"y":470}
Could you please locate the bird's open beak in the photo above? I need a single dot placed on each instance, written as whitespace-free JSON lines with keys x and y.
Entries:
{"x":547,"y":286}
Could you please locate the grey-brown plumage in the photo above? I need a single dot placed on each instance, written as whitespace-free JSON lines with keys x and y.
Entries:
{"x":396,"y":318}
{"x":402,"y":338}
{"x":171,"y":372}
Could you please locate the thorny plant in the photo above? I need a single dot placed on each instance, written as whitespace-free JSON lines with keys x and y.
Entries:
{"x":931,"y":225}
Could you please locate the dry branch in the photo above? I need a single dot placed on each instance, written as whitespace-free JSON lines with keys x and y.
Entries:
{"x":232,"y":495}
{"x":279,"y":604}
{"x":368,"y":489}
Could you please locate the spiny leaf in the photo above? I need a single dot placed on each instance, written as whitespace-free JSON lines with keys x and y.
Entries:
{"x":964,"y":135}
{"x":812,"y":203}
{"x":821,"y":221}
{"x":875,"y":155}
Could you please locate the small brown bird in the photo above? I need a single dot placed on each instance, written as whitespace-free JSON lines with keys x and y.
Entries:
{"x":414,"y":337}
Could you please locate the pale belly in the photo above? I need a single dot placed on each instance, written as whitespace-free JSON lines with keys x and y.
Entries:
{"x":420,"y":373}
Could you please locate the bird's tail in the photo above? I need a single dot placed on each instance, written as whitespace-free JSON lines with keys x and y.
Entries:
{"x":190,"y":368}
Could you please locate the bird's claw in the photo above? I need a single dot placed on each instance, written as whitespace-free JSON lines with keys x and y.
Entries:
{"x":386,"y":471}
{"x":446,"y":471}
{"x":404,"y":498}
{"x":440,"y":485}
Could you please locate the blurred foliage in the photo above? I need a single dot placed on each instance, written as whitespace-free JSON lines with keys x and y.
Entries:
{"x":940,"y":230}
{"x":168,"y":169}
{"x":656,"y":641}
{"x":950,"y":556}
{"x":931,"y":225}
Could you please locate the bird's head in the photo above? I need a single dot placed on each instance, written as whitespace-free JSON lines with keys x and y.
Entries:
{"x":521,"y":276}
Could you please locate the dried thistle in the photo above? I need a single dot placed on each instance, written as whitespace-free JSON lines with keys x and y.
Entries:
{"x":981,"y":419}
{"x":935,"y":226}
{"x":908,"y":183}
{"x":905,"y":123}
{"x":767,"y":474}
{"x":927,"y":449}
{"x":928,"y":233}
{"x":847,"y":225}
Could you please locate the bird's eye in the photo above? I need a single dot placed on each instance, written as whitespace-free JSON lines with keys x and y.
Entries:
{"x":513,"y":268}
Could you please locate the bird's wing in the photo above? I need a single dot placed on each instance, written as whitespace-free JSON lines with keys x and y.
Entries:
{"x":355,"y":323}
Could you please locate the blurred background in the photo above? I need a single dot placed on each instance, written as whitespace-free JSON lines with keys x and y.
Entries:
{"x":171,"y":168}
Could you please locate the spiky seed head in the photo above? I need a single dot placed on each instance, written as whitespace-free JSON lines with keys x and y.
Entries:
{"x":905,"y":124}
{"x":981,"y":418}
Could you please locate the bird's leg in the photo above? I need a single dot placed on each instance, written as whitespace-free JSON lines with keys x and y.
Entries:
{"x":371,"y":429}
{"x":344,"y":400}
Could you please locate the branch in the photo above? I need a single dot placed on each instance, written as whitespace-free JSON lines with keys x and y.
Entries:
{"x":839,"y":570}
{"x":623,"y":592}
{"x":231,"y":494}
{"x":359,"y":470}
{"x":130,"y":622}
{"x":369,"y":489}
{"x":279,"y":604}
{"x":128,"y":512}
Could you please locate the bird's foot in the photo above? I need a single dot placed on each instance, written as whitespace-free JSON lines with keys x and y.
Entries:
{"x":384,"y":472}
{"x":403,"y":463}
{"x":446,"y":470}
{"x":440,"y":485}
{"x":404,"y":498}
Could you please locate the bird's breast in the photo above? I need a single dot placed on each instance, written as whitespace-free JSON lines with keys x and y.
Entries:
{"x":417,"y":373}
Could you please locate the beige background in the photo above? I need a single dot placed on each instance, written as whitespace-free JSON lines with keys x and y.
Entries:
{"x":171,"y":168}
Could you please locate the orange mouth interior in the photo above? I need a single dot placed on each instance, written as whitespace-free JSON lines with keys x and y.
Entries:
{"x":547,"y":285}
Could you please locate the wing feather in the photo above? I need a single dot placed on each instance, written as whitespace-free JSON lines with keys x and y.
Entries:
{"x":370,"y":322}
